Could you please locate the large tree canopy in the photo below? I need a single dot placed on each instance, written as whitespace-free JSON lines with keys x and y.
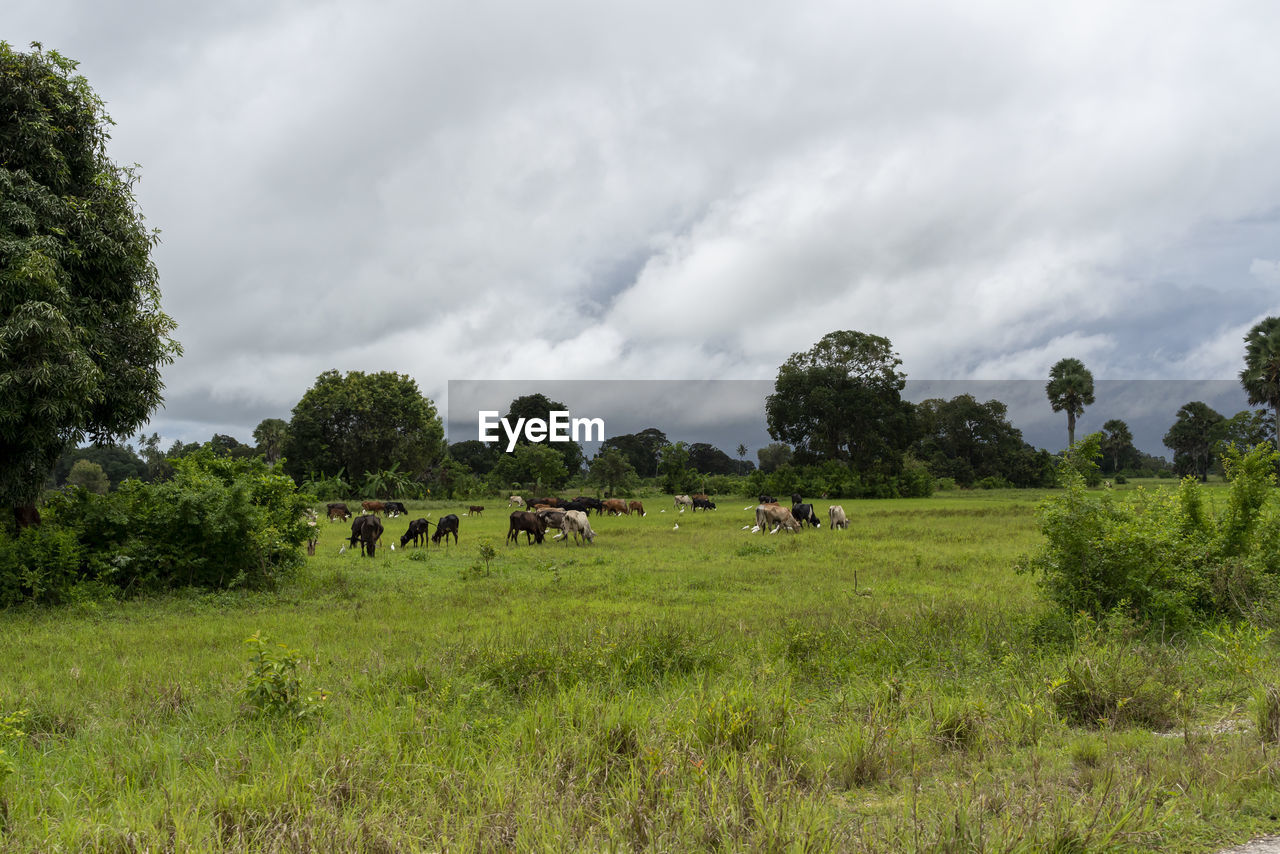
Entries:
{"x":1193,"y":437}
{"x":842,"y":399}
{"x":969,"y":441}
{"x":82,"y":336}
{"x":363,"y":423}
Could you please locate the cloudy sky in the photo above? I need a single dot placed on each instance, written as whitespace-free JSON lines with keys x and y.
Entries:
{"x":598,"y":190}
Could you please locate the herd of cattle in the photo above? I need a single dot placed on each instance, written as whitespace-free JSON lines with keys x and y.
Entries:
{"x":569,"y":517}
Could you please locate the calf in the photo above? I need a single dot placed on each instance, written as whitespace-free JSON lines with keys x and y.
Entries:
{"x":576,"y":523}
{"x":394,"y":508}
{"x":636,"y":508}
{"x":418,"y":530}
{"x":703,"y":504}
{"x":366,"y":530}
{"x":805,"y":513}
{"x":338,"y":510}
{"x":839,"y":521}
{"x":475,"y":510}
{"x":529,"y":523}
{"x":446,"y":526}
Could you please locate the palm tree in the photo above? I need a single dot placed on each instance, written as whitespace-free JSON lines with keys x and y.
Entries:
{"x":1261,"y":374}
{"x":270,"y":435}
{"x":1070,"y":389}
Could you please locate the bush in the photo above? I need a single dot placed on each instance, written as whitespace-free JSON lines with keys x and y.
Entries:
{"x":1160,"y":555}
{"x":218,"y":523}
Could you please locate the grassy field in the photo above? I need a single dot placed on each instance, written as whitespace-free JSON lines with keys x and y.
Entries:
{"x":893,"y":687}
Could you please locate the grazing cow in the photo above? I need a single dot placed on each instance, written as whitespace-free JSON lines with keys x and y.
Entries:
{"x":366,"y":530}
{"x":372,"y":507}
{"x":701,"y":495}
{"x":552,"y":517}
{"x":805,"y":513}
{"x":703,"y":504}
{"x":591,"y":503}
{"x":796,"y":498}
{"x":475,"y":509}
{"x":418,"y":530}
{"x":394,"y":508}
{"x":524,"y":520}
{"x":575,"y":504}
{"x":839,"y":521}
{"x":616,"y":507}
{"x":576,"y":523}
{"x":683,"y":501}
{"x":515,"y":501}
{"x":551,"y":501}
{"x":338,"y":510}
{"x":446,"y":526}
{"x":768,"y":499}
{"x":775,"y":516}
{"x":636,"y":508}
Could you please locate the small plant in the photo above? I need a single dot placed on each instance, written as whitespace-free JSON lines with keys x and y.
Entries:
{"x":273,"y":687}
{"x":487,"y":553}
{"x":10,"y":730}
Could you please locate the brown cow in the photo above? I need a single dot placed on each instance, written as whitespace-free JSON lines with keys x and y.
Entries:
{"x":636,"y":507}
{"x":616,"y":507}
{"x":523,"y":520}
{"x":374,"y":507}
{"x":338,"y":510}
{"x":475,"y":510}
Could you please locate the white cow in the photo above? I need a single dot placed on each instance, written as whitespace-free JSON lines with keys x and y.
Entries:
{"x":576,"y":522}
{"x":515,"y":501}
{"x":838,"y":519}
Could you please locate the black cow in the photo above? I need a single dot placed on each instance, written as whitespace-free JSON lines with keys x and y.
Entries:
{"x":446,"y":526}
{"x":527,"y":521}
{"x":592,"y":503}
{"x":418,"y":530}
{"x":366,"y":530}
{"x":337,"y":510}
{"x":805,"y":513}
{"x":768,"y":499}
{"x":394,"y":508}
{"x":796,"y":498}
{"x":575,"y":504}
{"x":703,"y":504}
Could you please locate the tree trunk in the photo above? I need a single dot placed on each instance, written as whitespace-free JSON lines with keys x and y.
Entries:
{"x":1071,"y":429}
{"x":26,"y":515}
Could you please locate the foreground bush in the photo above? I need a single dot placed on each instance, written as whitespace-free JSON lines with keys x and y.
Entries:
{"x":1164,"y":556}
{"x":217,"y":523}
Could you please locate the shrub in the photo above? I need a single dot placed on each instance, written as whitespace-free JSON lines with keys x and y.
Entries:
{"x":273,"y":687}
{"x":1161,"y":555}
{"x":218,"y":523}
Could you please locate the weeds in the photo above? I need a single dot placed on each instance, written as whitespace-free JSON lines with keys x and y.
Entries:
{"x":273,"y":687}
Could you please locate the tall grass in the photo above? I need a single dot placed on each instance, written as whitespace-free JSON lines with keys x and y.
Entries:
{"x":693,"y":689}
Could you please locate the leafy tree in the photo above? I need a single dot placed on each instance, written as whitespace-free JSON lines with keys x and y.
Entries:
{"x":362,"y":423}
{"x":742,"y":452}
{"x":230,"y":446}
{"x":118,"y":462}
{"x":90,"y":476}
{"x":536,"y":464}
{"x":153,"y":456}
{"x":612,"y":470}
{"x":82,"y":336}
{"x":1117,"y":445}
{"x":708,"y":459}
{"x":1070,"y":390}
{"x":673,"y":466}
{"x":479,"y":457}
{"x":540,"y":406}
{"x":1192,"y":437}
{"x":969,"y":441}
{"x":641,"y":449}
{"x":1082,"y":458}
{"x":270,"y":435}
{"x":773,"y":456}
{"x":1245,"y":429}
{"x":1261,"y":374}
{"x":842,"y":399}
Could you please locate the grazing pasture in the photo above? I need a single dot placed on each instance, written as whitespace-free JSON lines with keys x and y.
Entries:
{"x":895,"y":686}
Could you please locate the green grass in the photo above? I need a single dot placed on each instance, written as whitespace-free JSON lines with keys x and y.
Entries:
{"x":896,"y":686}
